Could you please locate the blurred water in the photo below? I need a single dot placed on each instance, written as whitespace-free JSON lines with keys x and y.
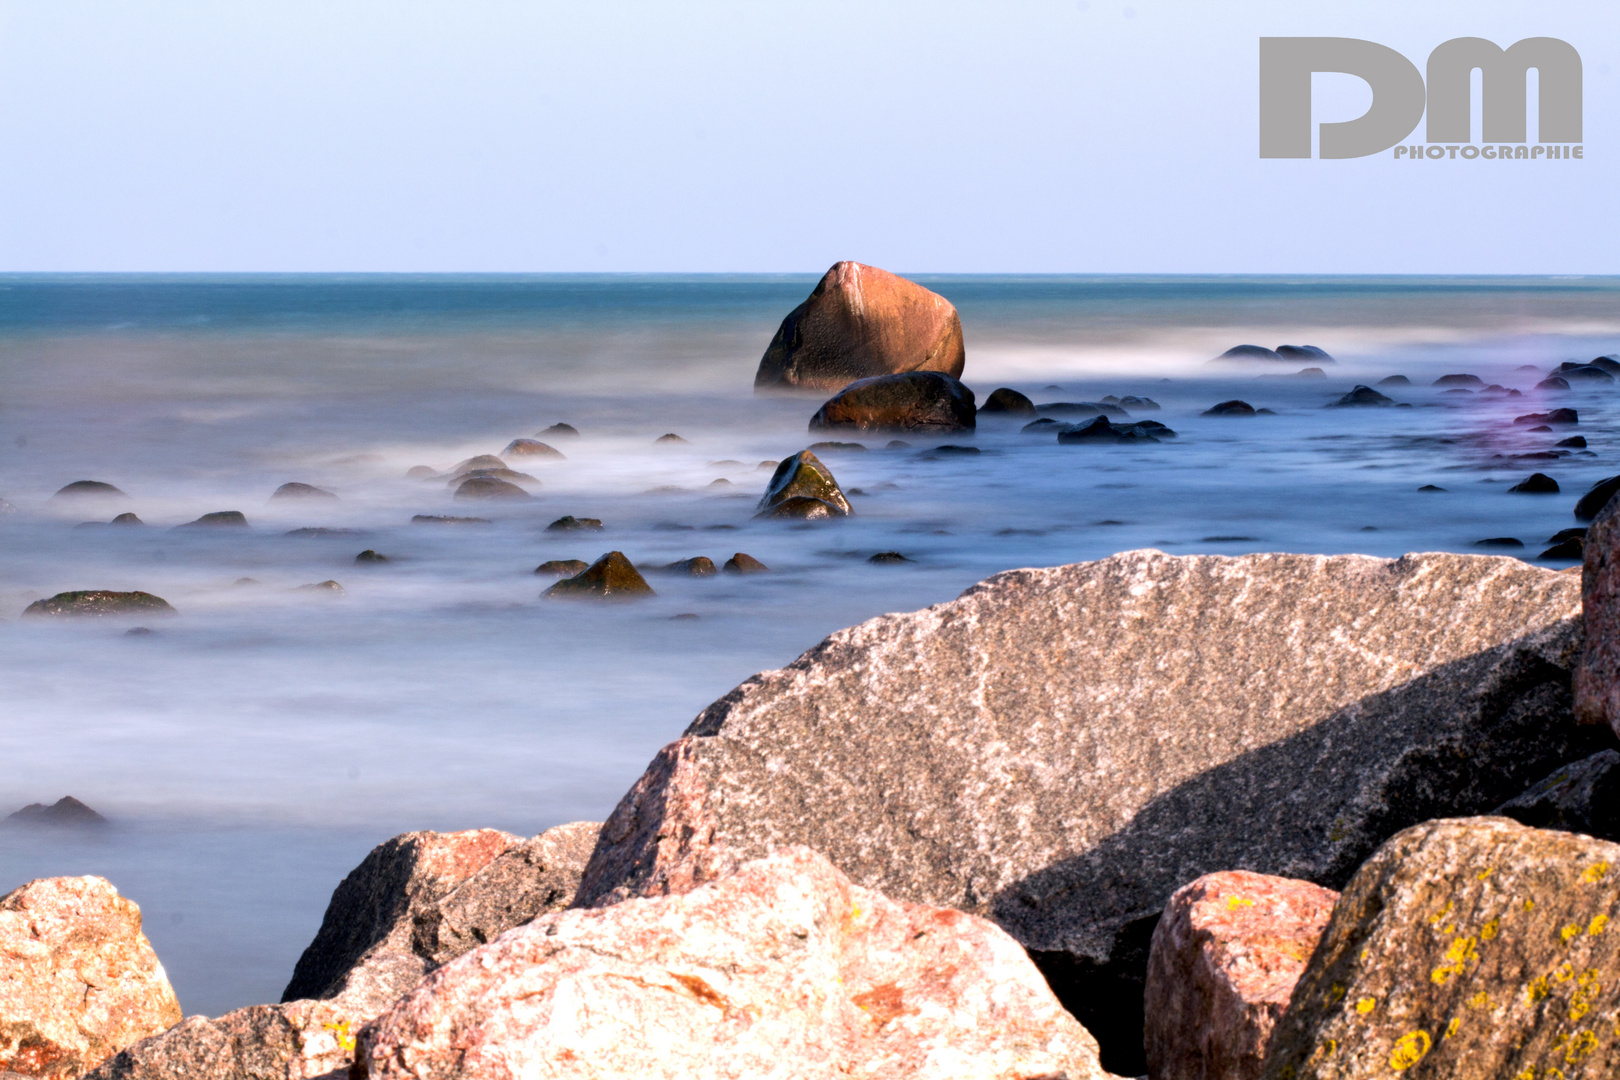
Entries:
{"x":252,"y":749}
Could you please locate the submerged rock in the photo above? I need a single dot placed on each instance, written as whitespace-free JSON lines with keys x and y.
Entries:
{"x":570,"y":523}
{"x":612,"y":577}
{"x":1224,"y":960}
{"x":1230,"y":408}
{"x":669,"y":437}
{"x":1577,"y":442}
{"x":1458,"y":380}
{"x":478,"y":461}
{"x":1101,"y":430}
{"x":783,"y":961}
{"x":488,"y":487}
{"x":883,"y":557}
{"x":1500,"y":542}
{"x":1130,"y":401}
{"x":1582,"y":797}
{"x":301,"y":491}
{"x":421,"y":472}
{"x":744,"y":563}
{"x":219,"y":519}
{"x":1573,"y":549}
{"x":1044,"y":424}
{"x":1395,"y":380}
{"x":798,"y":485}
{"x":851,"y":447}
{"x":921,"y":401}
{"x":561,"y":431}
{"x":509,"y":475}
{"x":861,"y":321}
{"x":1477,"y":948}
{"x":88,"y":489}
{"x":100,"y":602}
{"x":370,"y":556}
{"x":1585,"y":372}
{"x":1552,"y":382}
{"x":1008,"y":401}
{"x":126,"y":519}
{"x":562,"y":567}
{"x":1083,"y":408}
{"x":1536,"y":484}
{"x":1081,"y":825}
{"x":66,"y":811}
{"x":1362,"y":395}
{"x":327,"y":587}
{"x":441,"y":519}
{"x":1303,"y":352}
{"x":1245,"y":354}
{"x":81,"y":981}
{"x":697,"y":566}
{"x":531,"y":448}
{"x":1556,"y":416}
{"x":1596,"y":498}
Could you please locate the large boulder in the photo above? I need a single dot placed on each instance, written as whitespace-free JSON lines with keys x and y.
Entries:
{"x":918,"y":401}
{"x":1597,"y":676}
{"x":417,"y":901}
{"x":1473,"y":949}
{"x":1583,"y":797}
{"x":782,"y":968}
{"x":1060,"y":749}
{"x":802,"y":487}
{"x":1224,"y":961}
{"x":858,"y":322}
{"x":78,"y":979}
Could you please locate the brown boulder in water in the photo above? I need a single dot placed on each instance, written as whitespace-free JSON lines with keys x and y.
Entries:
{"x":530,"y":448}
{"x":802,"y":487}
{"x":744,"y":563}
{"x":921,"y":401}
{"x":858,"y":322}
{"x":612,"y":577}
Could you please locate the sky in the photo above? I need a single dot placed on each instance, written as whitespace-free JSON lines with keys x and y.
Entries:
{"x":757,"y":136}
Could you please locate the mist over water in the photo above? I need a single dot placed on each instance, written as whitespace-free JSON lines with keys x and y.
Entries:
{"x":252,"y":749}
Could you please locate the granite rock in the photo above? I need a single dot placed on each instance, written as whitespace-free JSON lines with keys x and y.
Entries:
{"x":858,"y":322}
{"x":1060,"y":749}
{"x":78,"y":979}
{"x":917,"y":401}
{"x":782,"y":968}
{"x":1582,"y":797}
{"x":1597,"y":676}
{"x":1470,"y":949}
{"x":1224,"y":961}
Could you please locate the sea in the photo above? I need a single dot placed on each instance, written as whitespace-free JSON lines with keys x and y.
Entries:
{"x":252,"y":748}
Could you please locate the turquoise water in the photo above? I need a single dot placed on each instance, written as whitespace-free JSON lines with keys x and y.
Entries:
{"x":252,"y":749}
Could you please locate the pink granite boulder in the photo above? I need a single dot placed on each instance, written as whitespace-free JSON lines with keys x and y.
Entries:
{"x":783,"y":968}
{"x":1597,"y":675}
{"x":1225,"y":958}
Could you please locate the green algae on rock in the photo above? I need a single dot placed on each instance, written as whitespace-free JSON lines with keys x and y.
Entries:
{"x":802,"y":487}
{"x":100,"y":602}
{"x":612,"y":577}
{"x":1471,"y":948}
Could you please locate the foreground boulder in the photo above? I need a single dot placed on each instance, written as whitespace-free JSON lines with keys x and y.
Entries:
{"x":858,"y":322}
{"x":612,"y":577}
{"x":1583,"y":797}
{"x":415,"y":902}
{"x":100,"y":603}
{"x":1597,"y":677}
{"x":1061,"y":749}
{"x":783,"y":968}
{"x":802,"y":487}
{"x":1472,"y":949}
{"x":1224,"y":961}
{"x":78,"y":979}
{"x":920,"y":401}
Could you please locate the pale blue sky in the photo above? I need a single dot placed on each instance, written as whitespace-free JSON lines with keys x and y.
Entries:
{"x":475,"y":135}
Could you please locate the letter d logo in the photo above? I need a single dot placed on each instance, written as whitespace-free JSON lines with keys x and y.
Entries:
{"x":1286,"y":66}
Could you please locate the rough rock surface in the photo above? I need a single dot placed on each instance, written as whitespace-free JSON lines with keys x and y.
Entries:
{"x":1597,"y":676}
{"x":612,"y":577}
{"x":1225,"y":958}
{"x":803,"y":479}
{"x":100,"y":602}
{"x":919,"y":401}
{"x":783,"y":968}
{"x":1583,"y":797}
{"x":1060,"y":749}
{"x":858,"y":322}
{"x":78,"y":979}
{"x":1473,"y":949}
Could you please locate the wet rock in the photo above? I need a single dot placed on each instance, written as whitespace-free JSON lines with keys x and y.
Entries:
{"x":313,"y":534}
{"x":1500,"y":542}
{"x":1008,"y":401}
{"x":478,"y":461}
{"x":301,"y":491}
{"x":370,"y":556}
{"x":1303,"y":352}
{"x":531,"y":448}
{"x":1101,"y":430}
{"x":570,"y":523}
{"x":1582,"y":797}
{"x":1576,"y":533}
{"x":126,"y":519}
{"x":1083,"y":408}
{"x":782,"y":961}
{"x":509,"y":475}
{"x":744,"y":563}
{"x":1573,"y":549}
{"x":859,"y":322}
{"x":1459,"y":380}
{"x":799,"y":483}
{"x":134,"y":631}
{"x":1395,"y":380}
{"x":883,"y":557}
{"x":1044,"y":424}
{"x":421,"y":472}
{"x":66,"y":811}
{"x":952,"y":450}
{"x":1473,"y":949}
{"x":328,"y":587}
{"x":219,"y":519}
{"x":1552,"y":382}
{"x":1302,"y":373}
{"x":1607,"y":363}
{"x":1577,"y":442}
{"x":1556,"y":416}
{"x":1245,"y":354}
{"x":1431,"y":487}
{"x":1230,"y":408}
{"x":1130,"y":401}
{"x":562,"y":567}
{"x":852,"y":447}
{"x":441,"y":519}
{"x":561,"y":431}
{"x":1597,"y":677}
{"x":1584,"y":373}
{"x":89,"y":489}
{"x":896,"y":444}
{"x":1447,"y":674}
{"x":488,"y":487}
{"x":1225,"y":957}
{"x":1536,"y":484}
{"x":97,"y":603}
{"x":921,"y":401}
{"x":81,"y":981}
{"x":1457,"y":390}
{"x":1363,"y":395}
{"x":1596,"y":498}
{"x":697,"y":566}
{"x":612,"y":577}
{"x":669,"y":437}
